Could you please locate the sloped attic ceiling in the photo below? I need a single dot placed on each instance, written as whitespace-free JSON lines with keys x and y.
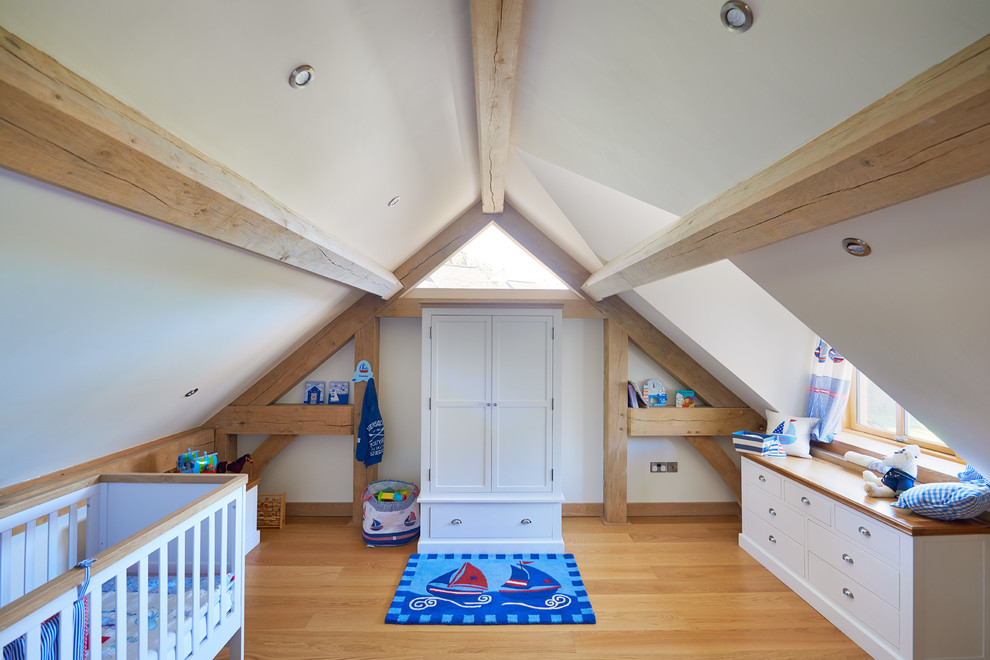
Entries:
{"x":653,"y":102}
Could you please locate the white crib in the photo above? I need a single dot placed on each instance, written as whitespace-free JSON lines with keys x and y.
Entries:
{"x":145,"y":531}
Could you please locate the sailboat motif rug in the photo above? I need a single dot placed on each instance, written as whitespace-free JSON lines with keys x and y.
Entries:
{"x":487,"y":589}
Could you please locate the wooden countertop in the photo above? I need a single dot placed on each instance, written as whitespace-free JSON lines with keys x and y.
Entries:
{"x":846,"y":487}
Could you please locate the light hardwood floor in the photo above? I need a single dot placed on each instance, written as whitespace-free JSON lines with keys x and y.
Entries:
{"x":660,"y":587}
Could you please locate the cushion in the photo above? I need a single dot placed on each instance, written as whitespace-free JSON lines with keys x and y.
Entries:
{"x":948,"y":501}
{"x":972,"y":477}
{"x":794,"y":433}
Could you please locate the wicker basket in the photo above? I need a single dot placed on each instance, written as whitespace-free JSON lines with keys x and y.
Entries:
{"x":271,"y":511}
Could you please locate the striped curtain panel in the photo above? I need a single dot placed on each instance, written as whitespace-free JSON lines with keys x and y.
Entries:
{"x":831,"y":376}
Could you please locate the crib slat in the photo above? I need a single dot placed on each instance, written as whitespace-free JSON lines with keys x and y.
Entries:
{"x":30,"y":529}
{"x":180,"y":591}
{"x":52,"y":545}
{"x":6,"y":559}
{"x":142,"y":621}
{"x":33,"y":643}
{"x":211,"y":606}
{"x":65,"y":632}
{"x":224,"y":541}
{"x":120,"y":615}
{"x":197,"y":553}
{"x":163,"y":599}
{"x":73,"y":553}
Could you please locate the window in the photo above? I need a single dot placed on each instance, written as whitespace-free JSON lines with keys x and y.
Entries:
{"x":873,"y":411}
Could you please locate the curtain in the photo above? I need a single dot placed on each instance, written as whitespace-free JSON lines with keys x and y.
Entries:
{"x":831,"y":376}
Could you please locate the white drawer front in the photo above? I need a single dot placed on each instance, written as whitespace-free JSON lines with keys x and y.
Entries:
{"x":482,"y":521}
{"x":855,"y":599}
{"x":774,"y":512}
{"x":808,"y":502}
{"x":784,"y":549}
{"x":761,"y":477}
{"x":868,"y":533}
{"x":851,"y":560}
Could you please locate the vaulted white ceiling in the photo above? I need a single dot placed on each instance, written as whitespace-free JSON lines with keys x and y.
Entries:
{"x":627,"y":114}
{"x":653,"y":99}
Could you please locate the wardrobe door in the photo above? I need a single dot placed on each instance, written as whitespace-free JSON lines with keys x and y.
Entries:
{"x":460,"y":391}
{"x":522,"y":390}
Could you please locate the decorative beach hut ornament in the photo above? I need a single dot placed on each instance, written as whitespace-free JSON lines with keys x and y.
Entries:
{"x":654,"y":393}
{"x":363,"y":372}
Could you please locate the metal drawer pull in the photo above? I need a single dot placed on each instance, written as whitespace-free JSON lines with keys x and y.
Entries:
{"x":455,"y":521}
{"x":771,"y":511}
{"x":847,"y":593}
{"x":865,"y":532}
{"x":762,"y":478}
{"x":526,"y":521}
{"x":771,"y":539}
{"x":846,"y":558}
{"x":805,"y":500}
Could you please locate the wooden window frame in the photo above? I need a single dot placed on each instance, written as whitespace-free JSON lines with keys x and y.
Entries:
{"x":898,"y":438}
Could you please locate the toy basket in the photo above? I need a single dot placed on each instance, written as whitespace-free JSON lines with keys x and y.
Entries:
{"x":389,"y":523}
{"x":271,"y":511}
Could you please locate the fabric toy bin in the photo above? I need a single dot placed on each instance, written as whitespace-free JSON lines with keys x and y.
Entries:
{"x":760,"y":444}
{"x":389,"y":523}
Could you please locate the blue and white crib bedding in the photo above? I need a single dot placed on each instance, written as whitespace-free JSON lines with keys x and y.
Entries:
{"x":109,"y":625}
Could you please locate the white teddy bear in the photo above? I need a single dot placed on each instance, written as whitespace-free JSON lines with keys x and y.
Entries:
{"x":900,"y":471}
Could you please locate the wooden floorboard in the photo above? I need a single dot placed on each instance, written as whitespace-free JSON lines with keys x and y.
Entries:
{"x":661,"y":587}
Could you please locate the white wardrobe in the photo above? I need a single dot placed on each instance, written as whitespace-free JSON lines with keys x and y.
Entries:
{"x":491,"y":478}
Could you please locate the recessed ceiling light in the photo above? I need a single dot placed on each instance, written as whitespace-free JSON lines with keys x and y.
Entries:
{"x":392,"y":202}
{"x":856,"y":247}
{"x":737,"y":16}
{"x":301,"y":76}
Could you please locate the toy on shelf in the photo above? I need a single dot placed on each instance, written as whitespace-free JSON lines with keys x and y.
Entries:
{"x":684,"y":399}
{"x":313,"y":391}
{"x":654,"y":393}
{"x":193,"y":463}
{"x":338,"y":392}
{"x":900,"y":471}
{"x":235,"y":466}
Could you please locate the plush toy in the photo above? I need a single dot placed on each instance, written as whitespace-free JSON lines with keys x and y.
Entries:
{"x":900,"y":470}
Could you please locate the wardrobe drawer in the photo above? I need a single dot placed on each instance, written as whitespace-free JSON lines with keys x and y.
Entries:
{"x":808,"y":502}
{"x":868,"y":533}
{"x":774,"y":512}
{"x":517,"y":521}
{"x":781,"y":547}
{"x":854,"y":562}
{"x":762,"y":478}
{"x":856,"y":599}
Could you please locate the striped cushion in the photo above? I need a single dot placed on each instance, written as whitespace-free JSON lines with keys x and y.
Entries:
{"x":948,"y":501}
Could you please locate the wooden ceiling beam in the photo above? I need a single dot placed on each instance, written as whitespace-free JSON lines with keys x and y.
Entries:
{"x":657,"y":346}
{"x":495,"y":26}
{"x":58,"y":128}
{"x":931,"y":133}
{"x":332,"y":337}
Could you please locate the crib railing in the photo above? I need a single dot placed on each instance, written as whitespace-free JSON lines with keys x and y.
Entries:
{"x":201,"y":539}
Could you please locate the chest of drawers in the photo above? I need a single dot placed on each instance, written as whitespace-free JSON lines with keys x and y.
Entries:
{"x":897,"y":585}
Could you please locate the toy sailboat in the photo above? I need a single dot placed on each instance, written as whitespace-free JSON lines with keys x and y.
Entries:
{"x":468,"y":580}
{"x":529,"y":580}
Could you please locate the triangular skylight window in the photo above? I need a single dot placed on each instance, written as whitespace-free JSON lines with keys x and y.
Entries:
{"x":492,"y":260}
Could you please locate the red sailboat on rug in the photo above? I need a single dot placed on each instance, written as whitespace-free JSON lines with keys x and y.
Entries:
{"x":468,"y":580}
{"x":525,"y":581}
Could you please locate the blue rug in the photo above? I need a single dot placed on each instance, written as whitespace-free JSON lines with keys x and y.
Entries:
{"x":487,"y":589}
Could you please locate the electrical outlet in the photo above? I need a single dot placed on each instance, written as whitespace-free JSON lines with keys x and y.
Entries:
{"x":654,"y":467}
{"x":663,"y":466}
{"x":672,"y":466}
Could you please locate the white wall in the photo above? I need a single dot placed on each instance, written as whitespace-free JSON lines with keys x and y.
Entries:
{"x":107,"y":319}
{"x":318,"y":468}
{"x":914,"y":315}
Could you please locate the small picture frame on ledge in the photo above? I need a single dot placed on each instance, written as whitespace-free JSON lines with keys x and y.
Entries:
{"x":684,"y":399}
{"x":338,"y":393}
{"x":314,"y":391}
